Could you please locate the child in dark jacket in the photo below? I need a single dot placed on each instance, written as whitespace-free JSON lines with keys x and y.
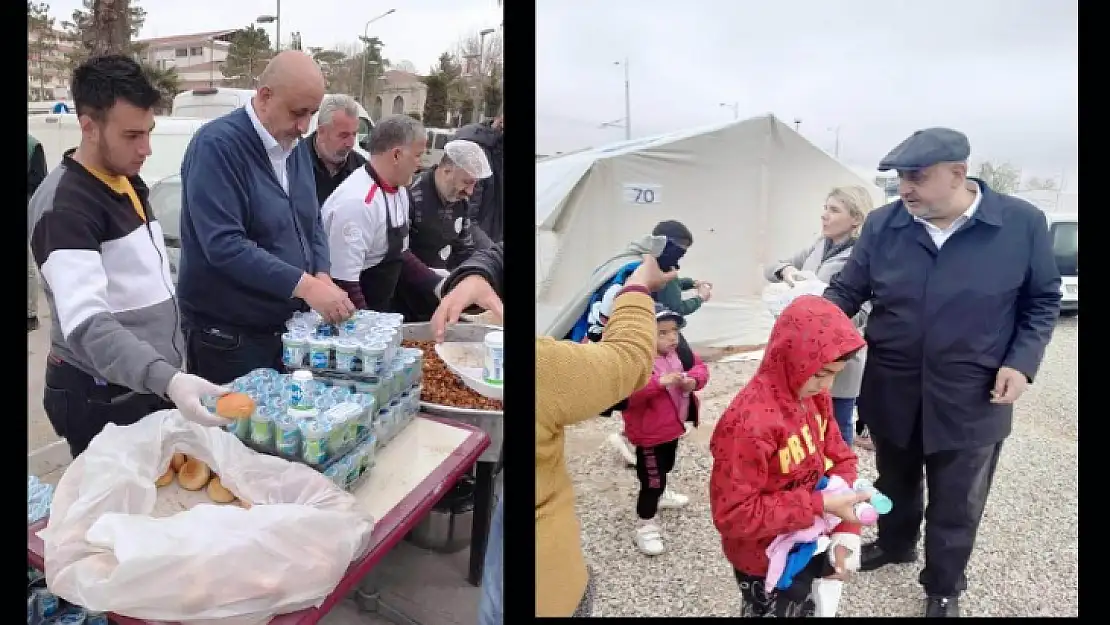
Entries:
{"x":774,"y":449}
{"x":654,"y":419}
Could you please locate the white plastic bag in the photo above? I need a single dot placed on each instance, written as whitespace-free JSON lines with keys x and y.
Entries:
{"x":778,"y":295}
{"x":212,"y":563}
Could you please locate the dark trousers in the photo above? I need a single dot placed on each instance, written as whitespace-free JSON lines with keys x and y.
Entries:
{"x":959,"y":482}
{"x":220,"y":355}
{"x":78,"y":406}
{"x":417,"y":305}
{"x":792,"y":602}
{"x":652,"y":466}
{"x":842,"y":408}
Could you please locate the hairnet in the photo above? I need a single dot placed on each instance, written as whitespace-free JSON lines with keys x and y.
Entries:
{"x":469,"y":156}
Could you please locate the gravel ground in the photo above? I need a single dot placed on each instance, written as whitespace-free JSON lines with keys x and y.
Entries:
{"x":1029,"y":534}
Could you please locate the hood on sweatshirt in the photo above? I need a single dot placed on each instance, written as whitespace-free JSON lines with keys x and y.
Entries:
{"x":810,"y":333}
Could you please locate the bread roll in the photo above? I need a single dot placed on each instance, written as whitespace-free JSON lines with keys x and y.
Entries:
{"x":193,"y":475}
{"x":235,"y":406}
{"x":166,"y":478}
{"x":178,"y":460}
{"x":217,"y":492}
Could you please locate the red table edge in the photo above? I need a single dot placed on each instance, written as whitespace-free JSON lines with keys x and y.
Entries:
{"x":387,"y":531}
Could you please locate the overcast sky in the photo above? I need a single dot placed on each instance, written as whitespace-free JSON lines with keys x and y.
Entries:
{"x":1005,"y":72}
{"x":419,"y":31}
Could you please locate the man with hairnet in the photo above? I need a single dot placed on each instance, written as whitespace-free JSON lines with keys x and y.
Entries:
{"x":440,"y":231}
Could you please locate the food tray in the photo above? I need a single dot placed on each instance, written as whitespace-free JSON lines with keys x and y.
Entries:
{"x":489,"y":421}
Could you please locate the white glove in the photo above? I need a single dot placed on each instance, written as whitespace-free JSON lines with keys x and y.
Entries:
{"x":186,"y":390}
{"x":852,"y":543}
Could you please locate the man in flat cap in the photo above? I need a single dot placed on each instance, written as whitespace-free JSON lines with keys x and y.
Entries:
{"x":965,"y":294}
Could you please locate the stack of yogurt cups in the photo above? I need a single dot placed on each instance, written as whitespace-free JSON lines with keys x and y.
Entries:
{"x":363,"y":345}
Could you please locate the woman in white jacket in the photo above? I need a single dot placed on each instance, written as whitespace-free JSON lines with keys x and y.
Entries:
{"x":844,"y":212}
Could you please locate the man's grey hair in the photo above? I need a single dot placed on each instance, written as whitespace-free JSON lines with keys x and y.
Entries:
{"x":395,"y":131}
{"x":333,"y":103}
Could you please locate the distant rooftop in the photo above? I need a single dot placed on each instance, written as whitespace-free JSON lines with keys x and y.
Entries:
{"x":195,"y":37}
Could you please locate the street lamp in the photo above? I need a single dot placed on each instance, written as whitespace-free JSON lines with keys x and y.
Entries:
{"x":735,"y":106}
{"x":276,"y":20}
{"x":366,"y":54}
{"x":627,"y":101}
{"x":836,"y":146}
{"x":482,"y":71}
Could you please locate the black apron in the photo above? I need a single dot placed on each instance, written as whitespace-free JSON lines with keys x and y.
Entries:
{"x":380,"y":281}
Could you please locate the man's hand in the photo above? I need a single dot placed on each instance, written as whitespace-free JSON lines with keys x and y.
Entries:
{"x":689,"y":384}
{"x":788,"y":275}
{"x":1009,"y":384}
{"x":650,"y":276}
{"x":472,"y":290}
{"x":186,"y":391}
{"x":325,"y":298}
{"x":840,"y":505}
{"x":325,"y":278}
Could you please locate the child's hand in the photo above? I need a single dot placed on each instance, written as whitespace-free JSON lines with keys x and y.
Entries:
{"x":840,"y":558}
{"x":670,"y":379}
{"x":689,"y":384}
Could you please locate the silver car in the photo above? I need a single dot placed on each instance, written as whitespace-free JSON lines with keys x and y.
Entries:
{"x":165,"y":201}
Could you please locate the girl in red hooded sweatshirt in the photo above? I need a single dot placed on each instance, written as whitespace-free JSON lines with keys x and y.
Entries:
{"x":773,"y":445}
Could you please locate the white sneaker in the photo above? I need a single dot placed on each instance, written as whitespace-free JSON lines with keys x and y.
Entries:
{"x":671,"y":500}
{"x":621,"y":444}
{"x":649,"y":539}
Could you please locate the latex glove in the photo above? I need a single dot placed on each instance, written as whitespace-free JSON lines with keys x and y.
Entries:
{"x":186,"y":390}
{"x":852,"y":543}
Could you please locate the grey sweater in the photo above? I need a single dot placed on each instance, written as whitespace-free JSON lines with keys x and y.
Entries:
{"x":810,"y":259}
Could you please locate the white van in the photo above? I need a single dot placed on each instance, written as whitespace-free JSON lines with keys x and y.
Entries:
{"x":213,"y":103}
{"x":433,"y":150}
{"x":171,"y":136}
{"x":1064,"y":232}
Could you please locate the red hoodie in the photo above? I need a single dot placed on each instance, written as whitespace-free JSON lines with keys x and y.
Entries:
{"x":771,"y":448}
{"x":651,"y":417}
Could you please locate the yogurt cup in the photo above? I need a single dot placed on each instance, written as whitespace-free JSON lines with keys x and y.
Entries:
{"x":345,"y":351}
{"x":294,"y":349}
{"x":319,"y":353}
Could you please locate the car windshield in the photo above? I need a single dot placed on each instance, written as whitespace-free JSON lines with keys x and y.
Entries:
{"x":1065,"y":246}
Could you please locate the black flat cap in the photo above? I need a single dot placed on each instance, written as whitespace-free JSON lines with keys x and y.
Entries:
{"x":926,"y":148}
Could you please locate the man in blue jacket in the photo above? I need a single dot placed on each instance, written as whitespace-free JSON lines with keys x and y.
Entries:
{"x":965,"y":294}
{"x":253,"y":249}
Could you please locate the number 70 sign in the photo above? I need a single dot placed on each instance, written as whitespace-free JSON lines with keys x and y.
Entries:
{"x":643,"y":193}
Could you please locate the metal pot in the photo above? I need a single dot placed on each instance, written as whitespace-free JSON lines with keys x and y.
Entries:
{"x":447,"y":528}
{"x":489,"y":421}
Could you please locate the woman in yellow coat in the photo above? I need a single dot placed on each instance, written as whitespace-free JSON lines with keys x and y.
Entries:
{"x":575,"y":382}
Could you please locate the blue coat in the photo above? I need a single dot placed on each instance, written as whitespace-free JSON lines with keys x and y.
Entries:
{"x":943,"y":322}
{"x":245,"y":242}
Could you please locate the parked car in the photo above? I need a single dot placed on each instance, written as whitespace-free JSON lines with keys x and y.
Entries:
{"x":165,"y":202}
{"x":1064,"y":230}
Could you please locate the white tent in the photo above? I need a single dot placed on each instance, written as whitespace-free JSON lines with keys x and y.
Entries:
{"x":750,"y":192}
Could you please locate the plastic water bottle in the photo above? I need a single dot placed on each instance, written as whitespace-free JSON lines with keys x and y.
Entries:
{"x":868,"y":512}
{"x":39,"y":496}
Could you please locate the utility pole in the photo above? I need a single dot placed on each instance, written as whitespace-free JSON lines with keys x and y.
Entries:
{"x":735,"y":106}
{"x":627,"y":103}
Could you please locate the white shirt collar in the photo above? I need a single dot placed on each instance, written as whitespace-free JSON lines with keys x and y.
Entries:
{"x":965,"y":216}
{"x":268,"y":141}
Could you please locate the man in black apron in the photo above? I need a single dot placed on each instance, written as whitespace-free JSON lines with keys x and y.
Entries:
{"x":367,"y":217}
{"x":440,"y":218}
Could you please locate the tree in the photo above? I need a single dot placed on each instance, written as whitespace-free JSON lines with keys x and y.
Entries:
{"x":1041,"y":184}
{"x":444,"y":92}
{"x":103,"y":27}
{"x":483,"y":63}
{"x":247,"y":56}
{"x":368,"y":66}
{"x":1004,"y":178}
{"x":42,"y":44}
{"x":167,"y":82}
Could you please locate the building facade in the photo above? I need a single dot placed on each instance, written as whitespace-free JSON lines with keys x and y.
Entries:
{"x":400,"y":93}
{"x":196,"y":58}
{"x":47,"y":71}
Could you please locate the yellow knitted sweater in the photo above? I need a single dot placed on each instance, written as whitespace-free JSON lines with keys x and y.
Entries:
{"x":574,"y":382}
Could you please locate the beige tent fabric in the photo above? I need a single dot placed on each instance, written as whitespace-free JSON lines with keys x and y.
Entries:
{"x":750,"y":192}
